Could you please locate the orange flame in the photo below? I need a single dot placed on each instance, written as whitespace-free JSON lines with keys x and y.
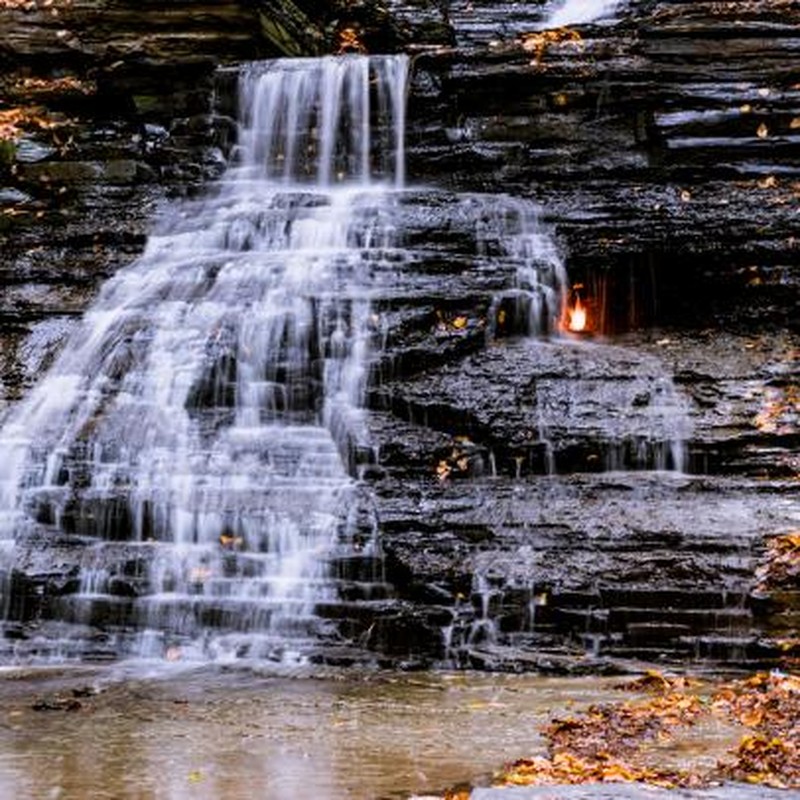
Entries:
{"x":577,"y":317}
{"x":350,"y":42}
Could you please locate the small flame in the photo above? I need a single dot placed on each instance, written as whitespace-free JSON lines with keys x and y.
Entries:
{"x":350,"y":42}
{"x":577,"y":316}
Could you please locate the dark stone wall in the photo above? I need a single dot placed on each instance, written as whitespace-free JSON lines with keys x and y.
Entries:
{"x":663,"y":153}
{"x":663,"y":149}
{"x":118,"y":104}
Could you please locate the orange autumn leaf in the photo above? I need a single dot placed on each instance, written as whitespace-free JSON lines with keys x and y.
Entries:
{"x":537,"y":43}
{"x":752,"y":718}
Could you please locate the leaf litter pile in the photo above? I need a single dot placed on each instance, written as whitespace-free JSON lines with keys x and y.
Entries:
{"x":781,"y":567}
{"x":616,"y":742}
{"x":778,"y":584}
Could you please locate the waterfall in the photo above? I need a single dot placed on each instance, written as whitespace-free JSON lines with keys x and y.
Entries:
{"x":580,"y":12}
{"x":194,"y":439}
{"x":183,"y":482}
{"x":510,"y":227}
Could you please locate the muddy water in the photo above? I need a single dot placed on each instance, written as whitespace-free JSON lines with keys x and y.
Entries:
{"x":215,"y":734}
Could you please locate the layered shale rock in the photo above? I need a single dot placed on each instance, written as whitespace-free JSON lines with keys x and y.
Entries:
{"x":661,"y":150}
{"x":113,"y":106}
{"x":517,"y":484}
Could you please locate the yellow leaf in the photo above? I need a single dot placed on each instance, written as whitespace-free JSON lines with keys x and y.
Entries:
{"x":538,"y":42}
{"x":617,"y":773}
{"x":792,"y":540}
{"x":763,"y":131}
{"x":752,"y":718}
{"x":349,"y":42}
{"x":459,"y":323}
{"x":457,"y":794}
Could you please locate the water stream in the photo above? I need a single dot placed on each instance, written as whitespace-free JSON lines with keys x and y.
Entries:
{"x":580,"y":12}
{"x":207,"y":411}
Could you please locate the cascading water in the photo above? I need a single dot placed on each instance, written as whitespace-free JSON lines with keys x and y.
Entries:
{"x":579,"y":12}
{"x":477,"y":24}
{"x":194,"y":437}
{"x":510,"y":227}
{"x":192,"y":452}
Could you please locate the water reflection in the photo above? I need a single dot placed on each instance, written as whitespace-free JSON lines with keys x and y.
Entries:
{"x":209,"y":734}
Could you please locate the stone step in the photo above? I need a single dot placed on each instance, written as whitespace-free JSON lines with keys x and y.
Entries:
{"x":637,"y":622}
{"x":658,"y":599}
{"x":666,"y":599}
{"x":357,"y":567}
{"x":694,"y":619}
{"x":190,"y":614}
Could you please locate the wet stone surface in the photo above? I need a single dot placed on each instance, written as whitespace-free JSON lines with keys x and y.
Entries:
{"x":524,"y":524}
{"x":623,"y":792}
{"x":605,"y":557}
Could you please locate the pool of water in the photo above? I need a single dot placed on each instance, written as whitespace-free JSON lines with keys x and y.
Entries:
{"x":210,"y":733}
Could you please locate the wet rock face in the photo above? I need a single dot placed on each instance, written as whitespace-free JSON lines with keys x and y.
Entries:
{"x":661,"y":147}
{"x":523,"y":491}
{"x":517,"y":483}
{"x":118,"y":107}
{"x":660,"y":150}
{"x":115,"y":104}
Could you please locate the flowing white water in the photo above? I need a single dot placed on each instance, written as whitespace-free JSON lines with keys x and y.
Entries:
{"x":510,"y":227}
{"x":207,"y":405}
{"x":197,"y":438}
{"x":580,"y":12}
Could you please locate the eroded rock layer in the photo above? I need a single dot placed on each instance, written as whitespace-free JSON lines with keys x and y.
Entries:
{"x":519,"y":485}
